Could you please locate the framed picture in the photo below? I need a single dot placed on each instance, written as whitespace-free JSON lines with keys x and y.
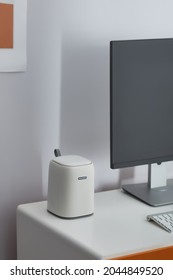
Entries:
{"x":13,"y":18}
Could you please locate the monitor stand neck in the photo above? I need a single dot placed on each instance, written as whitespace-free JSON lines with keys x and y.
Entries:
{"x":156,"y":191}
{"x":157,"y":175}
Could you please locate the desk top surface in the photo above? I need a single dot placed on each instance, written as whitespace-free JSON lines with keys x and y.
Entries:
{"x":118,"y":226}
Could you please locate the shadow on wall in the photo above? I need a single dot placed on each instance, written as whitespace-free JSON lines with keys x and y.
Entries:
{"x":122,"y":177}
{"x":84,"y":104}
{"x":126,"y":175}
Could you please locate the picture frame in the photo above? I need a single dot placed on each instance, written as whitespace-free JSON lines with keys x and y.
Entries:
{"x":13,"y":16}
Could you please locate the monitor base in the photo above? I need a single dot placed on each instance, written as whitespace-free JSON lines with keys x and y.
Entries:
{"x":154,"y":197}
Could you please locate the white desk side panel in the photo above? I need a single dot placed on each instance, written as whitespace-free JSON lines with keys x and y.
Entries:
{"x":36,"y":241}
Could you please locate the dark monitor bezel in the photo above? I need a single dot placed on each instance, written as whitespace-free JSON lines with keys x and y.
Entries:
{"x":117,"y":164}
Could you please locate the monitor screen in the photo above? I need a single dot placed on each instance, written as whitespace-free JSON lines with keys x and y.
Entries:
{"x":141,"y":102}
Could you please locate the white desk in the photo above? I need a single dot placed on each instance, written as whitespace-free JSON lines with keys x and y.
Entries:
{"x":118,"y":228}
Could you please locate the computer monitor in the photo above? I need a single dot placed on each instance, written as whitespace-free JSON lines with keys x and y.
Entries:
{"x":141,"y":111}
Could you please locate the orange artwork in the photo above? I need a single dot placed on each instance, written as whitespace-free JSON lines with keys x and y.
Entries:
{"x":6,"y":26}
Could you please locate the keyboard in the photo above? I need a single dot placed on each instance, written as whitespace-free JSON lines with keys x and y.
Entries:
{"x":165,"y":220}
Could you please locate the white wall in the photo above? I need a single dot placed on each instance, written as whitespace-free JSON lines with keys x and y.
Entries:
{"x":87,"y":28}
{"x":63,"y":98}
